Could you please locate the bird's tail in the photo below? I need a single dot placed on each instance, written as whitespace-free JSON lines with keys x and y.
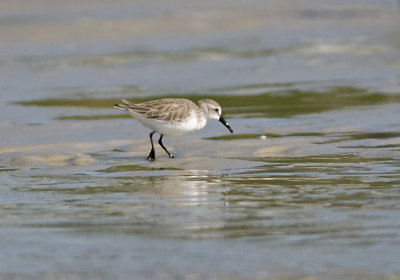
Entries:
{"x":125,"y":106}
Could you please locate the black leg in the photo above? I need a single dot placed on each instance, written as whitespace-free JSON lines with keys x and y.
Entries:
{"x":152,"y":154}
{"x":165,"y":149}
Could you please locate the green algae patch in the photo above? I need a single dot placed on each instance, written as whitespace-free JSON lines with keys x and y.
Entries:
{"x":263,"y":136}
{"x":92,"y":117}
{"x":130,"y":168}
{"x":124,"y":168}
{"x":63,"y":102}
{"x":283,"y":103}
{"x":361,"y":136}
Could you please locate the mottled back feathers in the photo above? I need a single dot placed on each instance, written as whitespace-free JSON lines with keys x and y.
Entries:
{"x":168,"y":109}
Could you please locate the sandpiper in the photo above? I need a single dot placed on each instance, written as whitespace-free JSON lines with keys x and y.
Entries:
{"x":173,"y":117}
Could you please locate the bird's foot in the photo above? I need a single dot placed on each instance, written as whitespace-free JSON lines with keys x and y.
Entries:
{"x":151,"y":156}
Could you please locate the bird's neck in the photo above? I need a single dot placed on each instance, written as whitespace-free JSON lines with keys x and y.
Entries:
{"x":203,"y":111}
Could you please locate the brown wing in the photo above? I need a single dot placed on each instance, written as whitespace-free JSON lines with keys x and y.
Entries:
{"x":128,"y":106}
{"x":169,"y":109}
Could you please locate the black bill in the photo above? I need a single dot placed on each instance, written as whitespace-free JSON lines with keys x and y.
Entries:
{"x":221,"y":119}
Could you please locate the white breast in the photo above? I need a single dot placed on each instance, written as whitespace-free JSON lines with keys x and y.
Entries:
{"x":191,"y":123}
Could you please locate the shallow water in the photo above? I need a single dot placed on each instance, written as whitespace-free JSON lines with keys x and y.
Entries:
{"x":306,"y":188}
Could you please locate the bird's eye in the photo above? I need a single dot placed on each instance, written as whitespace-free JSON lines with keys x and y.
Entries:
{"x":216,"y":110}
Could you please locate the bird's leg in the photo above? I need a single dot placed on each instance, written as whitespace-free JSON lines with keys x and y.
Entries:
{"x":165,"y":149}
{"x":152,"y":154}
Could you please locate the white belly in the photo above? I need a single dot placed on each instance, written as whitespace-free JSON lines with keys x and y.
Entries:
{"x":191,"y":123}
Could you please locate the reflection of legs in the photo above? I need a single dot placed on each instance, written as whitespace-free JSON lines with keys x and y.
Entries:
{"x":165,"y":149}
{"x":152,"y":154}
